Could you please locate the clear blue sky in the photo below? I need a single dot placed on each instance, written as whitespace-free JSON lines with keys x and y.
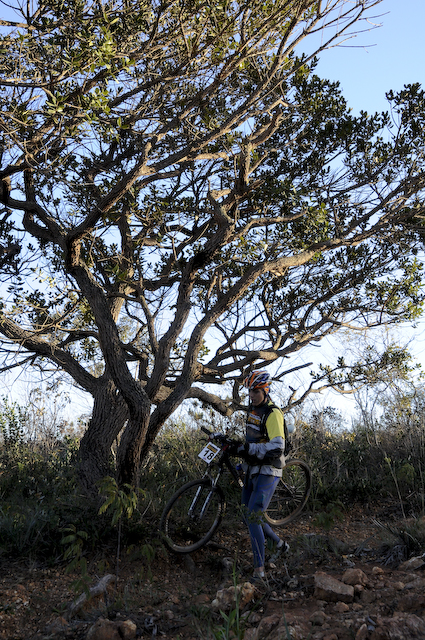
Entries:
{"x":384,"y":58}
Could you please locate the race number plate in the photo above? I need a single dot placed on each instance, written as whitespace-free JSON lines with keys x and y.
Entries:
{"x":209,"y":452}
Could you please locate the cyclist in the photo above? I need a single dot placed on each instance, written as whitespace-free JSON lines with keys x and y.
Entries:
{"x":263,"y":452}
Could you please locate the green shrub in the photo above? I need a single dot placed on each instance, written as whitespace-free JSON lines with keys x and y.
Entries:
{"x":351,"y":466}
{"x":402,"y":539}
{"x":41,"y":495}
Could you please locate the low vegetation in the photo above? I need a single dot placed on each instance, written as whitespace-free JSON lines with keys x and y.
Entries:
{"x":42,"y":500}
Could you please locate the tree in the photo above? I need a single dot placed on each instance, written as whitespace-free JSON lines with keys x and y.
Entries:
{"x":179,"y":181}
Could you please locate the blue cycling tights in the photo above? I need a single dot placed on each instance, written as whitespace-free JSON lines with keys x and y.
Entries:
{"x":256,"y":495}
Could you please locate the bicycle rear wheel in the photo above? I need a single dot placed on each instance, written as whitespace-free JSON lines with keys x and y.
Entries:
{"x":192,"y":515}
{"x":291,"y":494}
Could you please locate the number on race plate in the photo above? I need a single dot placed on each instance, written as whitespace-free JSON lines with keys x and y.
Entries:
{"x":209,"y":452}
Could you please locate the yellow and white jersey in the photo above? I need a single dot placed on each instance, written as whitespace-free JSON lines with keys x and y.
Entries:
{"x":266,"y":443}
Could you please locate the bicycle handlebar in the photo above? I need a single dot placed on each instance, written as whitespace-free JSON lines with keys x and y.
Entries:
{"x":220,"y":437}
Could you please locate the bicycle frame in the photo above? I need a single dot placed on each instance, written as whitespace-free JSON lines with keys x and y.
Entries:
{"x":223,"y":462}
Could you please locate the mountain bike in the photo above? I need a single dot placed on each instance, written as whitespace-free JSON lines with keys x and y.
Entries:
{"x":194,"y":513}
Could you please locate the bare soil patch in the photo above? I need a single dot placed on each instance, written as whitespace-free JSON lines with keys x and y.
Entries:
{"x":170,"y":596}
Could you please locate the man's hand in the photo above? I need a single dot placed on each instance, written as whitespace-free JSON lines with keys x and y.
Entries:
{"x":234,"y":447}
{"x":243,"y":452}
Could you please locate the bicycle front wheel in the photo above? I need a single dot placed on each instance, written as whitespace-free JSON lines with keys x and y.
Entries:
{"x":291,"y":494}
{"x":192,"y":515}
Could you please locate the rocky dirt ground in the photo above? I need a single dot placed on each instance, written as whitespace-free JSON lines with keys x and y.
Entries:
{"x":336,"y":585}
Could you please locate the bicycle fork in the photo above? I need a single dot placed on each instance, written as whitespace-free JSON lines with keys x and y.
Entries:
{"x":204,"y":508}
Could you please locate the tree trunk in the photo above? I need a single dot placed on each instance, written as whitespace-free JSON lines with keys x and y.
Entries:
{"x":109,"y":416}
{"x":141,"y":431}
{"x":130,"y":447}
{"x":149,"y":440}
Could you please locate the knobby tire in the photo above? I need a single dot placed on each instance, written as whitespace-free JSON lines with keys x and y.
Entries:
{"x":291,"y":494}
{"x":188,"y":524}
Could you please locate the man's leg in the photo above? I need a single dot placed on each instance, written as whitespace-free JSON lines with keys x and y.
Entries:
{"x":256,"y":497}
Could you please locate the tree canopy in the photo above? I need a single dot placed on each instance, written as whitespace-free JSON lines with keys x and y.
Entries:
{"x":184,"y":199}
